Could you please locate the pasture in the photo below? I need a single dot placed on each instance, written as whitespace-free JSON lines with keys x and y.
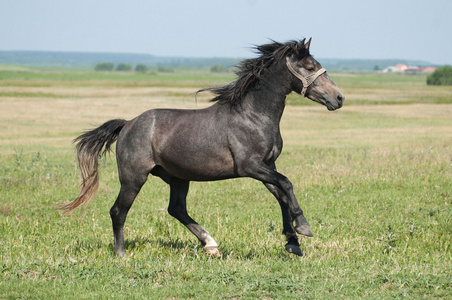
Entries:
{"x":374,"y":180}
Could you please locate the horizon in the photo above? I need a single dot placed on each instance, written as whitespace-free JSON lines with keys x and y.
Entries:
{"x":92,"y":59}
{"x":404,"y":29}
{"x":208,"y":57}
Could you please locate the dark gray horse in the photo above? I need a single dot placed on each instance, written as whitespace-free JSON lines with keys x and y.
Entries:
{"x":238,"y":136}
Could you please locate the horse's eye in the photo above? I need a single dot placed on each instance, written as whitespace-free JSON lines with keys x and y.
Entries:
{"x":310,"y":69}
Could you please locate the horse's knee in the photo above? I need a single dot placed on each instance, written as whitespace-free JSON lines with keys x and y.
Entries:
{"x":114,"y":213}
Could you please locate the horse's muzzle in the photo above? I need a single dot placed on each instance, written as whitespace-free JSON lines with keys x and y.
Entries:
{"x":336,"y":103}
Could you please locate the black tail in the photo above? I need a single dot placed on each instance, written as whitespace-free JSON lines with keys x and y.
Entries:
{"x":89,"y":150}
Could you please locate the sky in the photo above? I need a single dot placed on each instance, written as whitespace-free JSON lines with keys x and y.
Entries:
{"x":347,"y":29}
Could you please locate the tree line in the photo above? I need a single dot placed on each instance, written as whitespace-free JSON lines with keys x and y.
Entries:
{"x":441,"y":76}
{"x":142,"y":68}
{"x":105,"y":66}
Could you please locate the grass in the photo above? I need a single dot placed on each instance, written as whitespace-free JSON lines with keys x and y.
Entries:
{"x":38,"y":77}
{"x":374,"y":179}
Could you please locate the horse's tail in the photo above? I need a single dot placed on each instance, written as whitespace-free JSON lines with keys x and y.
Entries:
{"x":89,"y":150}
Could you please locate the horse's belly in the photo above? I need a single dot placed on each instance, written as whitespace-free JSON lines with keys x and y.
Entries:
{"x":197,"y":166}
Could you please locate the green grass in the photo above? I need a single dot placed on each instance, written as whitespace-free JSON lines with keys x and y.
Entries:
{"x":375,"y":182}
{"x":84,"y":77}
{"x":385,"y":88}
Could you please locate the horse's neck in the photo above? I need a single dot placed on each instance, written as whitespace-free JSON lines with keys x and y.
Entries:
{"x":270,"y":96}
{"x":265,"y":102}
{"x":268,"y":100}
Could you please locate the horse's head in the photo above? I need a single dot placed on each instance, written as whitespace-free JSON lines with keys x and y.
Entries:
{"x":311,"y":80}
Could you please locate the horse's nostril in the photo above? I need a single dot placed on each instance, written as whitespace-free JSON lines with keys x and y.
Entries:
{"x":340,"y":97}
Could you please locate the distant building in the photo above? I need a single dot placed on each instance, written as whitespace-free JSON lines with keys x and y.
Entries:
{"x":414,"y":69}
{"x":429,"y":70}
{"x":402,"y":68}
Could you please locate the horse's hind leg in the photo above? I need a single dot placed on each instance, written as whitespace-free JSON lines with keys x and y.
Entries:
{"x":118,"y":212}
{"x":178,"y":209}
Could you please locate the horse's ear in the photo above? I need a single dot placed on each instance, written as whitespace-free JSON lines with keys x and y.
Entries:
{"x":308,"y":44}
{"x":299,"y":48}
{"x":301,"y":45}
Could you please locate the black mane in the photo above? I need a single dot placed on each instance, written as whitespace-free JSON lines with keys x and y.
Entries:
{"x":250,"y":71}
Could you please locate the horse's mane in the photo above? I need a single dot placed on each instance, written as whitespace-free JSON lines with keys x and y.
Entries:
{"x":250,"y":71}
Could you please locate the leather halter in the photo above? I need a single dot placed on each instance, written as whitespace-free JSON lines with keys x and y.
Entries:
{"x":308,"y":80}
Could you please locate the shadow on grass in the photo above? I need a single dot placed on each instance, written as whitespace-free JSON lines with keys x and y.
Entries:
{"x":135,"y":244}
{"x":142,"y":242}
{"x":178,"y":246}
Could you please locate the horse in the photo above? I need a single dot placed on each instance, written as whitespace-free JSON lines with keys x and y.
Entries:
{"x":237,"y":136}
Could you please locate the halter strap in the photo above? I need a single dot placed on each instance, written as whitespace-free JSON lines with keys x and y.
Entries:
{"x":308,"y":80}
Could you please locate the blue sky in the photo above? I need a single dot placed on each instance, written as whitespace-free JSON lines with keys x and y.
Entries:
{"x":405,"y":29}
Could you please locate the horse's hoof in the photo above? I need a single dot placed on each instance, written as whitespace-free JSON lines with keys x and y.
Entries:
{"x":294,"y":249}
{"x":121,"y":254}
{"x":304,"y":230}
{"x":212,"y":251}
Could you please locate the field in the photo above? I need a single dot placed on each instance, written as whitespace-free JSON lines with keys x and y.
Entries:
{"x":374,"y":180}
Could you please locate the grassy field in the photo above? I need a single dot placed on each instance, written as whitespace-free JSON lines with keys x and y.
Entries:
{"x":374,"y":180}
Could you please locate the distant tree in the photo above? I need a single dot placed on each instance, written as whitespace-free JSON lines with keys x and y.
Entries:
{"x":218,"y":69}
{"x":124,"y":67}
{"x":376,"y":68}
{"x":104,"y":67}
{"x":141,"y":68}
{"x":441,"y":76}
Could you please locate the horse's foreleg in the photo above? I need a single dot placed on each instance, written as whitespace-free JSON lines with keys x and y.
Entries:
{"x":178,"y":209}
{"x":292,"y":245}
{"x":269,"y":176}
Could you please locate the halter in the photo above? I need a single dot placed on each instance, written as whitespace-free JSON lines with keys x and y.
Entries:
{"x":308,"y":80}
